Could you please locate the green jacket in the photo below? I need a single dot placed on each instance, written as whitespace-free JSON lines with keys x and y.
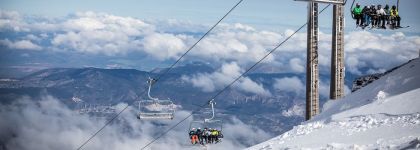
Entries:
{"x":357,"y":10}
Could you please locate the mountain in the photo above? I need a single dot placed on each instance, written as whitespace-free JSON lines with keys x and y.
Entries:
{"x":362,"y":81}
{"x":384,"y":114}
{"x":274,"y":114}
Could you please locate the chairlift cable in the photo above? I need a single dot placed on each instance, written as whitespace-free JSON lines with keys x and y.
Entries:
{"x":195,"y":44}
{"x":162,"y":74}
{"x":229,"y":85}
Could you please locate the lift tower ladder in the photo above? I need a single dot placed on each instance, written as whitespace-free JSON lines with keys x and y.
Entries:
{"x":337,"y":53}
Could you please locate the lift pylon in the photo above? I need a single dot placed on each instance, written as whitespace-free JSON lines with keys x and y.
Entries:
{"x":312,"y":94}
{"x":337,"y":54}
{"x":337,"y":58}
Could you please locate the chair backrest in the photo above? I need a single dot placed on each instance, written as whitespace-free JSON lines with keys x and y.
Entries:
{"x":156,"y":109}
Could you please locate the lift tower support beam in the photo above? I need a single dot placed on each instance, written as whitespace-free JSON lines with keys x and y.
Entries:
{"x":337,"y":53}
{"x":312,"y":72}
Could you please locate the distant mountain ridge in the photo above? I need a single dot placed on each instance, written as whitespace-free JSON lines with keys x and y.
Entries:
{"x":111,"y":86}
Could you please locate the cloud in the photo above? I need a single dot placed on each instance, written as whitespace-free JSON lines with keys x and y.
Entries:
{"x":22,"y":44}
{"x":164,"y":46}
{"x":101,"y":33}
{"x":289,"y":84}
{"x":210,"y":82}
{"x":47,"y":124}
{"x":296,"y":65}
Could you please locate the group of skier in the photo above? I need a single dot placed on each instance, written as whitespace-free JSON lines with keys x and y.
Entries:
{"x":205,"y":136}
{"x":377,"y":16}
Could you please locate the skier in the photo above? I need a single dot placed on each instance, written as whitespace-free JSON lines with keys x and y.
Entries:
{"x":381,"y":17}
{"x":388,"y":14}
{"x":373,"y":16}
{"x":214,"y":136}
{"x":204,"y":136}
{"x":209,"y":137}
{"x":199,"y":135}
{"x":366,"y":16}
{"x":220,"y":134}
{"x":193,"y":136}
{"x":395,"y":18}
{"x":357,"y":12}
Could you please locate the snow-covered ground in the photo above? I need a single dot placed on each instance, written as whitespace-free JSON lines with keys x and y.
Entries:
{"x":383,"y":115}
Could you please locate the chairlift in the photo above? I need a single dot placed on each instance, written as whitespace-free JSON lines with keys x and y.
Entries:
{"x":390,"y":22}
{"x":153,"y":108}
{"x":208,"y":122}
{"x":97,"y":110}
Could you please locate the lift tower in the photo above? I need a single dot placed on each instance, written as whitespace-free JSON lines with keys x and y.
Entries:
{"x":312,"y":73}
{"x":337,"y":53}
{"x":337,"y":57}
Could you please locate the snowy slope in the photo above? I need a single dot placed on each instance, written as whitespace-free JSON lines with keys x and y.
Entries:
{"x":383,"y":115}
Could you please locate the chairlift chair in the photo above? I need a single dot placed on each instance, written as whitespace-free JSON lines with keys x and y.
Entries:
{"x":153,"y":108}
{"x":208,"y":122}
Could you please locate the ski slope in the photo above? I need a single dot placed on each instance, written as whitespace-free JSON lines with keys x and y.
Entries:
{"x":382,"y":115}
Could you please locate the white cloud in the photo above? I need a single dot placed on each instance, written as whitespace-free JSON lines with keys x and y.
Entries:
{"x":297,"y":65}
{"x":224,"y":76}
{"x":164,"y":46}
{"x":22,"y":44}
{"x":289,"y":84}
{"x":101,"y":33}
{"x":47,"y":124}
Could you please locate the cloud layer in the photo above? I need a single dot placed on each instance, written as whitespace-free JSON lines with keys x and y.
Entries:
{"x":105,"y":34}
{"x":48,"y":124}
{"x":209,"y":82}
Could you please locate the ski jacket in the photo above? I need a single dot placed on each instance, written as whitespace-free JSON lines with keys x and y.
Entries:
{"x":192,"y":133}
{"x":208,"y":133}
{"x":380,"y":12}
{"x":372,"y":11}
{"x":394,"y":12}
{"x":357,"y":11}
{"x":198,"y":132}
{"x":214,"y":132}
{"x":365,"y":11}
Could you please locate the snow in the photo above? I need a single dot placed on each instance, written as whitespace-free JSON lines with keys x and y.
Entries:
{"x":382,"y":115}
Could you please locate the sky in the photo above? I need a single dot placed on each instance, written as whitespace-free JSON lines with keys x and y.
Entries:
{"x":148,"y":34}
{"x":272,"y":14}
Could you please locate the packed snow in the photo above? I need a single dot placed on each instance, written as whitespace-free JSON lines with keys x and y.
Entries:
{"x":382,"y":115}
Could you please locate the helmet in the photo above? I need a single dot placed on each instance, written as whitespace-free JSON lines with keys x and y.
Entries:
{"x":199,"y":128}
{"x":193,"y":128}
{"x":394,"y":7}
{"x":357,"y":5}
